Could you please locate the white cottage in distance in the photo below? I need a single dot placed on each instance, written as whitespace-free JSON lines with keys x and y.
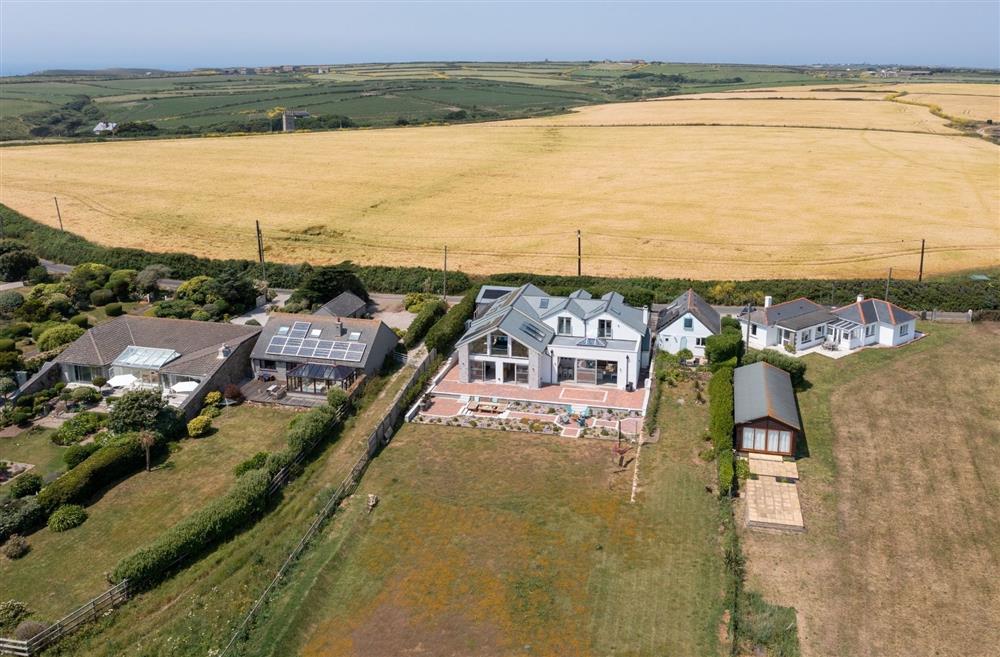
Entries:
{"x":686,"y":323}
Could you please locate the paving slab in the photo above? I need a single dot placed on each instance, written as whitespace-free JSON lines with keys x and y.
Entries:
{"x":773,"y":505}
{"x":773,"y":468}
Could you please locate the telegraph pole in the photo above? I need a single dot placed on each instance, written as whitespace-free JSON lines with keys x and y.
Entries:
{"x":444,"y":294}
{"x":888,"y":279}
{"x":920,"y":277}
{"x":579,"y":255}
{"x":58,"y":214}
{"x":260,"y":256}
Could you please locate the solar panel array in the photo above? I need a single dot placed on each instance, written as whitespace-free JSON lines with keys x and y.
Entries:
{"x":295,"y":343}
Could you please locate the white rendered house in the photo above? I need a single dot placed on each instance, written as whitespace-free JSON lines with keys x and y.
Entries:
{"x":868,"y":322}
{"x":524,"y":336}
{"x":686,"y":323}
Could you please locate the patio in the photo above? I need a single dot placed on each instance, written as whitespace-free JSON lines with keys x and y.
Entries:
{"x":567,"y":397}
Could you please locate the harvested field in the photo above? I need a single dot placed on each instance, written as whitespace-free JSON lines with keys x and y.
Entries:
{"x":688,"y":201}
{"x":901,"y":555}
{"x":489,"y":543}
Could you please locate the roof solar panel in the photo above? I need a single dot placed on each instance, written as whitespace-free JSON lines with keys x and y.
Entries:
{"x":297,"y":344}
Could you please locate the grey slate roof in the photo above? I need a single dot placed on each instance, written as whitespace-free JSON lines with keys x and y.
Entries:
{"x":874,"y":310}
{"x":762,"y":390}
{"x":794,"y":315}
{"x":375,"y":334}
{"x":521,"y":312}
{"x":690,"y":302}
{"x":197,"y":343}
{"x":345,"y":304}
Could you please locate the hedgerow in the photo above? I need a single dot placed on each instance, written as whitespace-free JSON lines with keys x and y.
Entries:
{"x":217,"y":521}
{"x":794,"y":366}
{"x":429,"y":313}
{"x":724,"y":346}
{"x":443,"y":335}
{"x":113,"y":461}
{"x":725,"y":472}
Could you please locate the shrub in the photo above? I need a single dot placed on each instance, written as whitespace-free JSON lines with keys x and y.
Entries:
{"x":85,"y":395}
{"x":20,"y":417}
{"x":199,"y":426}
{"x":337,"y":400}
{"x":25,"y":484}
{"x":107,"y":464}
{"x":113,"y":309}
{"x":6,"y":344}
{"x":720,"y":394}
{"x":9,"y":302}
{"x":210,"y":411}
{"x":414,"y":301}
{"x":255,"y":462}
{"x":443,"y":335}
{"x":794,"y":366}
{"x":730,"y":363}
{"x":730,"y":323}
{"x":429,"y":313}
{"x":77,"y":454}
{"x":58,"y":336}
{"x":725,"y":472}
{"x":80,"y":320}
{"x":306,"y":429}
{"x":29,"y":629}
{"x":15,"y":265}
{"x":67,"y":517}
{"x":15,"y":547}
{"x":137,"y":410}
{"x":742,"y":469}
{"x":216,"y":521}
{"x":99,"y":381}
{"x":19,"y":330}
{"x":101,"y":297}
{"x":213,"y":398}
{"x":38,"y":275}
{"x":724,"y":346}
{"x":20,"y":516}
{"x":78,"y":427}
{"x":38,"y":329}
{"x":11,"y":613}
{"x":233,"y":393}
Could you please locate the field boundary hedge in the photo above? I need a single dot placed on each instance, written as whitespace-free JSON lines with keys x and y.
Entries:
{"x":945,"y":294}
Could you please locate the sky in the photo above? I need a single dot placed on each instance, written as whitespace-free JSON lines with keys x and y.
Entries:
{"x":39,"y":35}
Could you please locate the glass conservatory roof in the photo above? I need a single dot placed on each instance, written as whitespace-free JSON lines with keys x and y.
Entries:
{"x":145,"y":357}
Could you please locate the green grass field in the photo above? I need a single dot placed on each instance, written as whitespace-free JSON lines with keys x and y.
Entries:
{"x":34,"y":446}
{"x":64,"y":570}
{"x":488,"y":543}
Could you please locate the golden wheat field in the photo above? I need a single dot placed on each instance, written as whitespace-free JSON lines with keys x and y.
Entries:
{"x":723,"y":201}
{"x":964,"y":101}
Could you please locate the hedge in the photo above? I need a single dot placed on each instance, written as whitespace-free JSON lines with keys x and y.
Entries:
{"x":20,"y":516}
{"x":443,"y":335}
{"x":794,"y":366}
{"x":725,"y":472}
{"x":77,"y":427}
{"x":724,"y":346}
{"x":425,"y":319}
{"x":720,"y":409}
{"x":104,"y":466}
{"x":217,"y":521}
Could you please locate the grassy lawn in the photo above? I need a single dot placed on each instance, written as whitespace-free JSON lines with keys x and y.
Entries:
{"x":901,"y":554}
{"x":489,"y":543}
{"x":196,"y":610}
{"x":66,"y":569}
{"x":34,"y":446}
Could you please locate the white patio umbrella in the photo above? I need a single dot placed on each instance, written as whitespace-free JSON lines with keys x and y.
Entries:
{"x":185,"y":386}
{"x":122,"y":381}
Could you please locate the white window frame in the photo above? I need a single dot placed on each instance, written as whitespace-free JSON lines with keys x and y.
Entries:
{"x":689,"y":323}
{"x":904,"y":330}
{"x":699,"y":342}
{"x":870,"y":330}
{"x":569,"y":323}
{"x":601,"y":331}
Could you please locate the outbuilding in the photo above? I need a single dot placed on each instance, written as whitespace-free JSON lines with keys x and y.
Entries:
{"x":766,"y":414}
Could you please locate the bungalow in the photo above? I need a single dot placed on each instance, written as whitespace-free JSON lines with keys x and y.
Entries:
{"x":796,"y":325}
{"x":765,"y":412}
{"x":312,"y":353}
{"x":172,"y":355}
{"x":869,"y":322}
{"x":345,"y":304}
{"x":686,"y":323}
{"x":525,"y":336}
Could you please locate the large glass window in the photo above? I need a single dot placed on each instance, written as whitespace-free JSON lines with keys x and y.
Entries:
{"x":565,"y":370}
{"x":478,"y":346}
{"x":482,"y":370}
{"x":607,"y":372}
{"x":604,"y":328}
{"x":785,"y":442}
{"x":806,"y":336}
{"x":499,"y":344}
{"x":521,"y":373}
{"x":759,"y":437}
{"x":586,"y":371}
{"x":565,"y":326}
{"x":518,"y":350}
{"x":747,"y":438}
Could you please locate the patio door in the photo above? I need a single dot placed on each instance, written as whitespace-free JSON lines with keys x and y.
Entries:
{"x":509,"y":372}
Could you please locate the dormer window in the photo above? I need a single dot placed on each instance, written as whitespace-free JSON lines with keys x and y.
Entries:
{"x":604,"y":328}
{"x":565,"y":326}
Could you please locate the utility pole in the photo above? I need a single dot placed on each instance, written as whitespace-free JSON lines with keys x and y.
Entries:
{"x":920,"y":276}
{"x":444,"y":294}
{"x":260,"y":256}
{"x":888,"y":279}
{"x":579,"y":255}
{"x":58,"y":214}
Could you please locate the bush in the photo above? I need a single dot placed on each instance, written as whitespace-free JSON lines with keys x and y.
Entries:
{"x":15,"y":547}
{"x":724,"y":346}
{"x":101,"y":297}
{"x":6,"y":344}
{"x":255,"y":462}
{"x":716,"y":365}
{"x":9,"y":302}
{"x":742,"y":469}
{"x":20,"y":417}
{"x":19,"y":330}
{"x":57,"y":336}
{"x":77,"y":454}
{"x":307,"y":429}
{"x":233,"y":393}
{"x":443,"y":335}
{"x":414,"y":301}
{"x":720,"y":409}
{"x":25,"y":484}
{"x":731,"y":323}
{"x":216,"y":521}
{"x":199,"y":426}
{"x":78,"y":427}
{"x":794,"y":366}
{"x":137,"y":410}
{"x":80,"y":320}
{"x":118,"y":458}
{"x":15,"y":265}
{"x":213,"y":398}
{"x":338,"y":401}
{"x":428,"y":315}
{"x":99,"y":381}
{"x":20,"y":516}
{"x":29,"y":629}
{"x":85,"y":395}
{"x":114,"y":310}
{"x":725,"y":472}
{"x":210,"y":411}
{"x":38,"y":275}
{"x":11,"y":613}
{"x":67,"y":517}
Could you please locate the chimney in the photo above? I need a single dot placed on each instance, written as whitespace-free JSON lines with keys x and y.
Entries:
{"x":645,"y":314}
{"x":224,"y":352}
{"x":861,"y":298}
{"x":339,"y":327}
{"x":767,"y":301}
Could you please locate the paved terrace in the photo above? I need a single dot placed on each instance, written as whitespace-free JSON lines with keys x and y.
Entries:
{"x":557,"y":395}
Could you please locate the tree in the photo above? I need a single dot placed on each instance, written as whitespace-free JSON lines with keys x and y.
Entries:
{"x":121,"y":283}
{"x":15,"y":265}
{"x":58,"y":336}
{"x":233,"y":287}
{"x":84,"y":279}
{"x":147,"y":439}
{"x":198,"y":290}
{"x":7,"y":386}
{"x":325,"y":283}
{"x":146,"y":280}
{"x":136,"y":410}
{"x":9,"y":302}
{"x":10,"y":361}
